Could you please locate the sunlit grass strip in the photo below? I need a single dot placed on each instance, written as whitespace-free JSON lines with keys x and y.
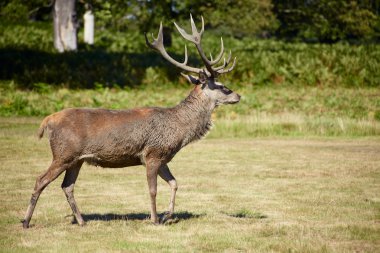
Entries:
{"x":263,"y":124}
{"x":263,"y":111}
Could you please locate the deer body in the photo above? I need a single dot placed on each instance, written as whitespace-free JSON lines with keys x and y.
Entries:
{"x":121,"y":138}
{"x":143,"y":136}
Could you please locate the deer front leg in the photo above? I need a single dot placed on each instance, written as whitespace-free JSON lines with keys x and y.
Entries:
{"x":152,"y":168}
{"x":166,"y":175}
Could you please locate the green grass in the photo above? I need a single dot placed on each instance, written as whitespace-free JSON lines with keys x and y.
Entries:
{"x":247,"y":195}
{"x":263,"y":111}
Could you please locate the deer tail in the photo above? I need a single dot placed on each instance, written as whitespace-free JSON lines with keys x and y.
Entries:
{"x":43,"y":127}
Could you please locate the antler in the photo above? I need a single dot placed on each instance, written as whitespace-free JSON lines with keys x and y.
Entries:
{"x":195,"y":38}
{"x":221,"y":70}
{"x":158,"y":44}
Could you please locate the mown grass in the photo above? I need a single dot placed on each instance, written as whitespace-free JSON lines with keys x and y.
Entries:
{"x":246,"y":195}
{"x":263,"y":111}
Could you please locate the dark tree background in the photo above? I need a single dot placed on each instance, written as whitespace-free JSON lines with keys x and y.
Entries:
{"x":119,"y":56}
{"x":327,"y":20}
{"x":310,"y":20}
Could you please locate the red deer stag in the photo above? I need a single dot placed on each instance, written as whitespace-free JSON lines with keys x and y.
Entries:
{"x":143,"y":136}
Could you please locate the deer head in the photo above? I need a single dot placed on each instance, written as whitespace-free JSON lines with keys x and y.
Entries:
{"x":206,"y":76}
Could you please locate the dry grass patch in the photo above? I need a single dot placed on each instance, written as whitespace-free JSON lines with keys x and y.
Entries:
{"x":249,"y":195}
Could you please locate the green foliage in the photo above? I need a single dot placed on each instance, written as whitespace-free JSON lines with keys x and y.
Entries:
{"x":322,"y":20}
{"x":14,"y":10}
{"x":326,"y":20}
{"x":267,"y":62}
{"x":358,"y":22}
{"x":19,"y":11}
{"x":122,"y":59}
{"x":241,"y":18}
{"x":104,"y":15}
{"x":236,"y":18}
{"x":35,"y":36}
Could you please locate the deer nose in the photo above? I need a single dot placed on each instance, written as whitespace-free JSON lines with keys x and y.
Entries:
{"x":236,"y":99}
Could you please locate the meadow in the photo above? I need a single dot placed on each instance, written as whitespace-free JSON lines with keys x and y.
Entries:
{"x":288,"y":169}
{"x":294,"y":167}
{"x":235,"y":195}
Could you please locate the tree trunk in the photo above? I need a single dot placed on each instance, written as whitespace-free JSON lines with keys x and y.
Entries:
{"x":89,"y":24}
{"x":65,"y":26}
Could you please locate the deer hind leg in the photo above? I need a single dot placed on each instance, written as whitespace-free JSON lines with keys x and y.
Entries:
{"x":42,"y":181}
{"x":68,"y":183}
{"x":166,"y":175}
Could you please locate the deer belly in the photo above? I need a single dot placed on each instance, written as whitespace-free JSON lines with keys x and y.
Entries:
{"x":111,"y":162}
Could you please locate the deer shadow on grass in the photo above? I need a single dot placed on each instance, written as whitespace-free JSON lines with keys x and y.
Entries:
{"x":177,"y":217}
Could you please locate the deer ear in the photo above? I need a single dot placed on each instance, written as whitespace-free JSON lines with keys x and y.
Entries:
{"x":191,"y":79}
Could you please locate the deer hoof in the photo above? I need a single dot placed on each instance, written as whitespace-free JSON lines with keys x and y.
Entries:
{"x":25,"y":224}
{"x":166,"y":217}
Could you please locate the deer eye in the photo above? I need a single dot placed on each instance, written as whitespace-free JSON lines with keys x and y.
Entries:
{"x":225,"y":90}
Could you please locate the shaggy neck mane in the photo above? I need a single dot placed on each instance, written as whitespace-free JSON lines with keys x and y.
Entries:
{"x":194,"y":114}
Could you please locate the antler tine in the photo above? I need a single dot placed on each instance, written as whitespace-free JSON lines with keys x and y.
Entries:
{"x":195,"y":38}
{"x":229,"y":57}
{"x":223,"y":71}
{"x":225,"y":63}
{"x":219,"y":57}
{"x":194,"y":30}
{"x":184,"y":34}
{"x":185,"y":61}
{"x":203,"y":26}
{"x":158,"y":44}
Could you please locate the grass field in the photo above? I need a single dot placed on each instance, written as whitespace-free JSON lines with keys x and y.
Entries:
{"x":235,"y":195}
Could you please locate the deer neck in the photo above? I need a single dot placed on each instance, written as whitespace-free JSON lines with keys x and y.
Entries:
{"x":194,"y":115}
